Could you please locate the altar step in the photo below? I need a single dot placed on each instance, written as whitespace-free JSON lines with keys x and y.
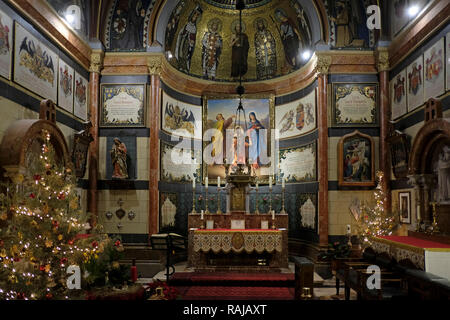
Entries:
{"x":235,"y":293}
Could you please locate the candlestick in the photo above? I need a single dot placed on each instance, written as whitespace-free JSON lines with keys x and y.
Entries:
{"x":218,"y":182}
{"x":193,"y":183}
{"x":419,"y":222}
{"x":206,"y":197}
{"x":193,"y":196}
{"x":256,"y":198}
{"x":283,"y":183}
{"x":201,"y":215}
{"x":434,"y":225}
{"x":206,"y":182}
{"x":270,"y":182}
{"x":283,"y":211}
{"x":219,"y":210}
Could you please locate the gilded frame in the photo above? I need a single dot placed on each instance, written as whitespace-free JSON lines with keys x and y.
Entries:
{"x":143,"y":108}
{"x":271,"y":98}
{"x":351,"y":86}
{"x":342,"y":181}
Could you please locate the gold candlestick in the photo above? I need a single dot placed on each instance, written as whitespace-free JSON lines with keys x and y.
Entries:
{"x":282,"y":201}
{"x":434,"y":225}
{"x":270,"y":199}
{"x":206,"y":201}
{"x":219,"y":210}
{"x":193,"y":201}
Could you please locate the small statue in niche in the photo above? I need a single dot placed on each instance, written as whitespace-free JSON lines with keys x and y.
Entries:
{"x":119,"y":160}
{"x":443,"y":167}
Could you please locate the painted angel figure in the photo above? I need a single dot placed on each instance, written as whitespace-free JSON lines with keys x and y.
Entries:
{"x":287,"y":123}
{"x":177,"y":118}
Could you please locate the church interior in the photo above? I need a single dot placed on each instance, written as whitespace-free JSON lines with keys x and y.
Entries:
{"x":225,"y":150}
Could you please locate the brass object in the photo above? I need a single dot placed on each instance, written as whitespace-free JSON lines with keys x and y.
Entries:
{"x":219,"y":210}
{"x":283,"y":211}
{"x":193,"y":201}
{"x":306,"y":294}
{"x":206,"y":201}
{"x":256,"y":201}
{"x":434,"y":225}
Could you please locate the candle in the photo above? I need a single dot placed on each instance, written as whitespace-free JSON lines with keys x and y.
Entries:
{"x":193,"y":183}
{"x":257,"y":184}
{"x":349,"y":229}
{"x":418,"y":212}
{"x":270,"y":182}
{"x":283,"y":183}
{"x":206,"y":182}
{"x":201,"y":215}
{"x":273,"y":214}
{"x":218,"y":182}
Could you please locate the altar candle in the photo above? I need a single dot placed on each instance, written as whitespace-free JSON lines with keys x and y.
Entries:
{"x":283,"y":183}
{"x":257,"y":184}
{"x":193,"y":183}
{"x":270,"y":182}
{"x":206,"y":182}
{"x":201,"y":215}
{"x":418,"y":212}
{"x":273,"y":214}
{"x":218,"y":182}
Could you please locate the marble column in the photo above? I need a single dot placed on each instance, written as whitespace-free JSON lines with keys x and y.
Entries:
{"x":154,"y":67}
{"x":382,"y":59}
{"x":94,"y":105}
{"x":322,"y":67}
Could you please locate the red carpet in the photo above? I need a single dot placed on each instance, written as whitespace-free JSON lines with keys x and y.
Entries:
{"x":234,"y":286}
{"x":416,"y":242}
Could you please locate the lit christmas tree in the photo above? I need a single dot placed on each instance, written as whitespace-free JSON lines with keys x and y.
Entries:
{"x":375,"y":221}
{"x":40,"y":227}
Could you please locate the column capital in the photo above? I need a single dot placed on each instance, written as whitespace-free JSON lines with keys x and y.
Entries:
{"x":96,"y":61}
{"x":323,"y":63}
{"x":382,"y":59}
{"x":154,"y":64}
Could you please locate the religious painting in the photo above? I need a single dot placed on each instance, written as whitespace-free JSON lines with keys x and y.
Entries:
{"x":185,"y":45}
{"x":296,"y":118}
{"x":399,"y":15}
{"x":180,"y":165}
{"x":404,"y":203}
{"x":307,"y":212}
{"x":172,"y":25}
{"x":399,"y":147}
{"x":81,"y":143}
{"x":298,"y":164}
{"x":6,"y":27}
{"x":447,"y":43}
{"x":80,"y":97}
{"x":356,"y":160}
{"x":168,"y":210}
{"x":239,"y":49}
{"x":434,"y":70}
{"x":35,"y":65}
{"x":398,"y":95}
{"x":180,"y":118}
{"x":211,"y":49}
{"x":355,"y":104}
{"x":122,"y":105}
{"x":348,"y":24}
{"x":121,"y":158}
{"x":233,"y":137}
{"x":65,"y":86}
{"x":289,"y":38}
{"x":415,"y":82}
{"x":265,"y":51}
{"x":303,"y":24}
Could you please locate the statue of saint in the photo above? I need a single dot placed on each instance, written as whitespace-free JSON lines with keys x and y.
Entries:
{"x":444,"y":175}
{"x":119,"y":160}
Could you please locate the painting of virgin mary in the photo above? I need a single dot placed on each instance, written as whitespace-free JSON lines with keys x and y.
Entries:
{"x":257,"y":145}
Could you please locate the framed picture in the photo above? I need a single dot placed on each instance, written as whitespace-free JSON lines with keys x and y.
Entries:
{"x":123,"y":105}
{"x":447,"y":50}
{"x":398,"y":95}
{"x":180,"y":118}
{"x":298,"y":164}
{"x":35,"y":65}
{"x":6,"y":44}
{"x":434,"y":70}
{"x":80,"y":97}
{"x":355,"y":104}
{"x":178,"y":165}
{"x":296,"y":118}
{"x":307,"y":211}
{"x":223,"y":149}
{"x":356,"y":156}
{"x":66,"y":77}
{"x":415,"y":81}
{"x":399,"y":146}
{"x":404,"y":203}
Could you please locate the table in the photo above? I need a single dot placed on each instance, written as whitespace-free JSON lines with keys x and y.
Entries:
{"x":430,"y":256}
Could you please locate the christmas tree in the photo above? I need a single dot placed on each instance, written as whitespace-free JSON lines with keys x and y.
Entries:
{"x":375,"y":221}
{"x":41,"y":231}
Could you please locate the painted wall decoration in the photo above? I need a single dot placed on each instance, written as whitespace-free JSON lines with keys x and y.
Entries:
{"x":273,"y":36}
{"x":65,"y":86}
{"x":178,"y":165}
{"x":415,"y":82}
{"x":356,"y":156}
{"x":355,"y":104}
{"x":6,"y":29}
{"x":296,"y":118}
{"x":434,"y":70}
{"x":298,"y":164}
{"x":168,"y":211}
{"x":180,"y":118}
{"x":400,"y":145}
{"x":447,"y":42}
{"x":122,"y":105}
{"x":307,"y":212}
{"x":404,"y":203}
{"x":398,"y":95}
{"x":348,"y":28}
{"x":398,"y":10}
{"x":35,"y":66}
{"x":63,"y":7}
{"x":121,"y":158}
{"x":220,"y":114}
{"x":80,"y":96}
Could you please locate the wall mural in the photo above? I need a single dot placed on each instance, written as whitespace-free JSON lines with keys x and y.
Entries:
{"x":348,"y":28}
{"x":296,"y":118}
{"x":434,"y":70}
{"x":35,"y":66}
{"x":65,"y":86}
{"x":298,"y":164}
{"x":180,"y":118}
{"x":6,"y":29}
{"x":178,"y":165}
{"x":307,"y":212}
{"x":415,"y":82}
{"x":208,"y":42}
{"x":80,"y":97}
{"x":398,"y":95}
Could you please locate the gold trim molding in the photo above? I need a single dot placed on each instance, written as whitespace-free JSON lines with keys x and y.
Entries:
{"x":96,"y":61}
{"x":154,"y":64}
{"x":323,"y":63}
{"x":382,"y":59}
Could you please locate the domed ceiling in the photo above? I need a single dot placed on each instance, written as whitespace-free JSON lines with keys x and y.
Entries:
{"x":203,"y":40}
